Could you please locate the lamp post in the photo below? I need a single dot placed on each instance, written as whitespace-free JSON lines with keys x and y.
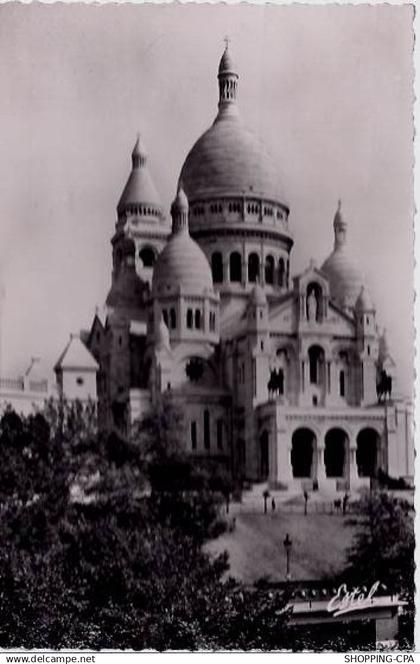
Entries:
{"x":287,"y":543}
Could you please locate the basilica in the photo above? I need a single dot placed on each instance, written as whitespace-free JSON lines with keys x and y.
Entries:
{"x":284,"y":378}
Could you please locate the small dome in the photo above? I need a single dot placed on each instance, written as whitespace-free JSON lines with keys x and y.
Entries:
{"x":341,"y":267}
{"x":344,"y":276}
{"x":162,"y":335}
{"x":181,"y":264}
{"x":180,"y":203}
{"x":258,"y":295}
{"x":140,"y":188}
{"x":226,"y":65}
{"x":364,"y":302}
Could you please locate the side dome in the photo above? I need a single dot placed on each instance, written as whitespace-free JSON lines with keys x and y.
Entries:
{"x":364,"y":302}
{"x":181,"y":264}
{"x":139,"y":189}
{"x":341,"y":267}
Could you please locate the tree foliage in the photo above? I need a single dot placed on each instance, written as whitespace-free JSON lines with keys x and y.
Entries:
{"x":101,"y":541}
{"x":383,"y":550}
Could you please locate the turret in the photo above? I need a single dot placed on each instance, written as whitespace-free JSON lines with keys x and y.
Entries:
{"x":364,"y":312}
{"x":228,"y":83}
{"x":258,"y":310}
{"x":140,"y":215}
{"x":340,"y":228}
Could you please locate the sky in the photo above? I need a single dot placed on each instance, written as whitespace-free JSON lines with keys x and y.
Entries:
{"x":328,"y":88}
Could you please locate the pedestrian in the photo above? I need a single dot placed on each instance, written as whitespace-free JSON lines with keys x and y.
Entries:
{"x":306,"y":498}
{"x":273,"y":505}
{"x":345,"y":501}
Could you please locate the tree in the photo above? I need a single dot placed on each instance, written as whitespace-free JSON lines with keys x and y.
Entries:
{"x":119,"y":564}
{"x":383,"y":549}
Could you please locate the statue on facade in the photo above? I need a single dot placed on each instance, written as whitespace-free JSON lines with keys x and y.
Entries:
{"x":276,"y":383}
{"x":312,"y":306}
{"x":384,"y":387}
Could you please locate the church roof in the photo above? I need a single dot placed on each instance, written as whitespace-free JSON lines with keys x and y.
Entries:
{"x":341,"y":267}
{"x":364,"y":302}
{"x":226,"y":64}
{"x":181,"y":264}
{"x":228,"y":159}
{"x":140,"y":188}
{"x":76,"y":356}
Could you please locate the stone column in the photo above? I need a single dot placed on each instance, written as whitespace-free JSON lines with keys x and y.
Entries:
{"x":320,"y":465}
{"x":353,"y":472}
{"x":226,"y":265}
{"x":284,"y":470}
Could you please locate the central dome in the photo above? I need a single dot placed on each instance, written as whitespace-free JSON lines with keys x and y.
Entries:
{"x":228,"y":160}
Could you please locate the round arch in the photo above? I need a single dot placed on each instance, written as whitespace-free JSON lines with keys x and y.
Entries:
{"x":147,"y":255}
{"x":316,"y":355}
{"x":336,"y":452}
{"x":303,"y":453}
{"x":367,"y":452}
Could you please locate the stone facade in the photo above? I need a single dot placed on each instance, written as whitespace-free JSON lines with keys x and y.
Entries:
{"x":284,"y":379}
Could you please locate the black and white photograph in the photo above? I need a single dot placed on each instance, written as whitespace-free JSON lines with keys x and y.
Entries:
{"x":207,"y":328}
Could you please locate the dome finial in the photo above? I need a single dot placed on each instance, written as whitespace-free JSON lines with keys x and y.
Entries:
{"x":179,"y":211}
{"x":340,"y":227}
{"x":139,"y":154}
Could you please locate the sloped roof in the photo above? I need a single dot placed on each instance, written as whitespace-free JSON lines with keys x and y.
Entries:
{"x":76,"y":356}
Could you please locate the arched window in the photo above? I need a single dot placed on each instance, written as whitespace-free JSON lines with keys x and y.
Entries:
{"x":269,"y":270}
{"x":314,"y":302}
{"x":235,"y":267}
{"x":206,"y":430}
{"x":194,"y":435}
{"x":172,"y":318}
{"x":147,"y":256}
{"x":253,"y":268}
{"x":197,"y":319}
{"x":342,"y":383}
{"x":212,"y":321}
{"x":281,"y":275}
{"x":189,"y":318}
{"x":316,"y":358}
{"x":217,"y":267}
